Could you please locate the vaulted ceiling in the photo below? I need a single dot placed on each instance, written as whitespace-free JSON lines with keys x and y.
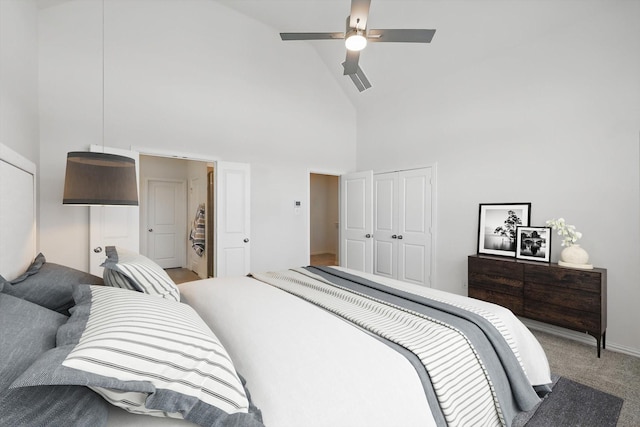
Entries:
{"x":467,"y":31}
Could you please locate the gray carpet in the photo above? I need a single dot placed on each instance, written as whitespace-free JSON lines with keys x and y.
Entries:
{"x":573,"y":404}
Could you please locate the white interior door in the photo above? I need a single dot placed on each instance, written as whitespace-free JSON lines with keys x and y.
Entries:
{"x":385,"y":228}
{"x":356,"y":221}
{"x":414,"y":226}
{"x":232,"y":218}
{"x":113,"y":225}
{"x":166,"y":219}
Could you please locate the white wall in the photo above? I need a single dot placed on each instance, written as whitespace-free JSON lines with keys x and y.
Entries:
{"x":19,"y":77}
{"x":555,"y":122}
{"x":178,"y":77}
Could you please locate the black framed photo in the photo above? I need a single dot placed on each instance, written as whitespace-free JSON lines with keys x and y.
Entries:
{"x":497,"y":227}
{"x":533,"y":243}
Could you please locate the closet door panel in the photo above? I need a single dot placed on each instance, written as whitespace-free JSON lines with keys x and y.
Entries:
{"x":413,"y":204}
{"x":413,"y":265}
{"x":414,"y":226}
{"x":385,"y":259}
{"x":385,"y":200}
{"x":385,"y":203}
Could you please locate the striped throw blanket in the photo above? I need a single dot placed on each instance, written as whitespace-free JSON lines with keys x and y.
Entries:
{"x":197,"y":235}
{"x":460,"y":379}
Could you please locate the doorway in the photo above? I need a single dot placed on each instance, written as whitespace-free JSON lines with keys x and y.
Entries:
{"x":324,"y":214}
{"x":172,"y":191}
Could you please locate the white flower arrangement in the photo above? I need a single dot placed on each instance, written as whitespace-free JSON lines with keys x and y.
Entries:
{"x":568,"y":232}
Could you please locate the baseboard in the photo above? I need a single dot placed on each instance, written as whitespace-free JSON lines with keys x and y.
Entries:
{"x":577,"y":336}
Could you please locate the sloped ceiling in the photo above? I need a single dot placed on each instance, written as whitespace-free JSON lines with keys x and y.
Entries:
{"x":466,"y":32}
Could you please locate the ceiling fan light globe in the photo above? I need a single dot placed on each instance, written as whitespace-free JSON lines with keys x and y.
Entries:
{"x":355,"y":42}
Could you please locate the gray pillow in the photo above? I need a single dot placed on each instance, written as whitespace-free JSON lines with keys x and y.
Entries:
{"x":52,"y":406}
{"x":29,"y":330}
{"x":33,"y":268}
{"x":146,"y":354}
{"x":49,"y":285}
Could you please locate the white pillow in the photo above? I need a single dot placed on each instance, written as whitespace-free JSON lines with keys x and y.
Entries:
{"x":130,"y":270}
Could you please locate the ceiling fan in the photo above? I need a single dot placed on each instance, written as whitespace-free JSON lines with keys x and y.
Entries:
{"x":356,"y":37}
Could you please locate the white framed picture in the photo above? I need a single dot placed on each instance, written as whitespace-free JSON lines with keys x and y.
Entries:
{"x":497,"y":225}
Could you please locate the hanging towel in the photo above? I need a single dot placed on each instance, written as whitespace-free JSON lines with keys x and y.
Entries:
{"x":197,"y":231}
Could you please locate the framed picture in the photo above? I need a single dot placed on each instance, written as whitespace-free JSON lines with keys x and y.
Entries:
{"x":533,"y":243}
{"x":497,"y":227}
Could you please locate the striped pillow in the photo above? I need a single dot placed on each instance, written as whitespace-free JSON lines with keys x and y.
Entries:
{"x":147,"y":355}
{"x":130,"y":270}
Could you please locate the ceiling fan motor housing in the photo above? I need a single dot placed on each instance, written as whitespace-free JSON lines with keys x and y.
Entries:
{"x":355,"y":40}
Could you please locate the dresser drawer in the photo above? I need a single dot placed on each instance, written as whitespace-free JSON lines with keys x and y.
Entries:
{"x":558,"y":277}
{"x":495,"y":276}
{"x":512,"y":302}
{"x":562,"y":297}
{"x":506,"y":269}
{"x":562,"y":316}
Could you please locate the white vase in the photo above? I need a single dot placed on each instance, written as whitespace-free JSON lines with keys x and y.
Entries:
{"x":575,"y":257}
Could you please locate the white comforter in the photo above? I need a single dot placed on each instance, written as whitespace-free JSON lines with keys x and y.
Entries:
{"x":307,"y":367}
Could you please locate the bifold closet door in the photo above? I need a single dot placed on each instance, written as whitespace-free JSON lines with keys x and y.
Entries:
{"x":402,"y":225}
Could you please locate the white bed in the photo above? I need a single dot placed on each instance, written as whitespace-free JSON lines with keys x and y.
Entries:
{"x":279,"y":343}
{"x":303,"y":365}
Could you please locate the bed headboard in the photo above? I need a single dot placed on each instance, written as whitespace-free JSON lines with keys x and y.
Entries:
{"x":17,"y":213}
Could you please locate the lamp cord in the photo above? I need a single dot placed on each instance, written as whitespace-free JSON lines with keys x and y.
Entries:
{"x":103,"y":76}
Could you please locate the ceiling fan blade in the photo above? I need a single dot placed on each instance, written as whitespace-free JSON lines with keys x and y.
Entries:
{"x":356,"y":81}
{"x":351,"y":63}
{"x":359,"y":11}
{"x":405,"y":36}
{"x":363,"y":79}
{"x":311,"y":36}
{"x":359,"y":79}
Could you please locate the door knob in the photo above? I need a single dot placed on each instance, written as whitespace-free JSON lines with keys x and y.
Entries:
{"x":394,"y":236}
{"x":98,"y":249}
{"x":151,"y":229}
{"x":400,"y":237}
{"x":368,"y":236}
{"x":246,"y":240}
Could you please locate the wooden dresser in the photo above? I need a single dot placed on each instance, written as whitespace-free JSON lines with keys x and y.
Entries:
{"x":567,"y":297}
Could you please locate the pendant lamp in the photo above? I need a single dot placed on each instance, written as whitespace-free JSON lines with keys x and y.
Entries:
{"x":100,"y":179}
{"x":94,"y":178}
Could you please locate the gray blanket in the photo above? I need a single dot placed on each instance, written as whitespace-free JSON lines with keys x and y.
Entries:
{"x":515,"y":393}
